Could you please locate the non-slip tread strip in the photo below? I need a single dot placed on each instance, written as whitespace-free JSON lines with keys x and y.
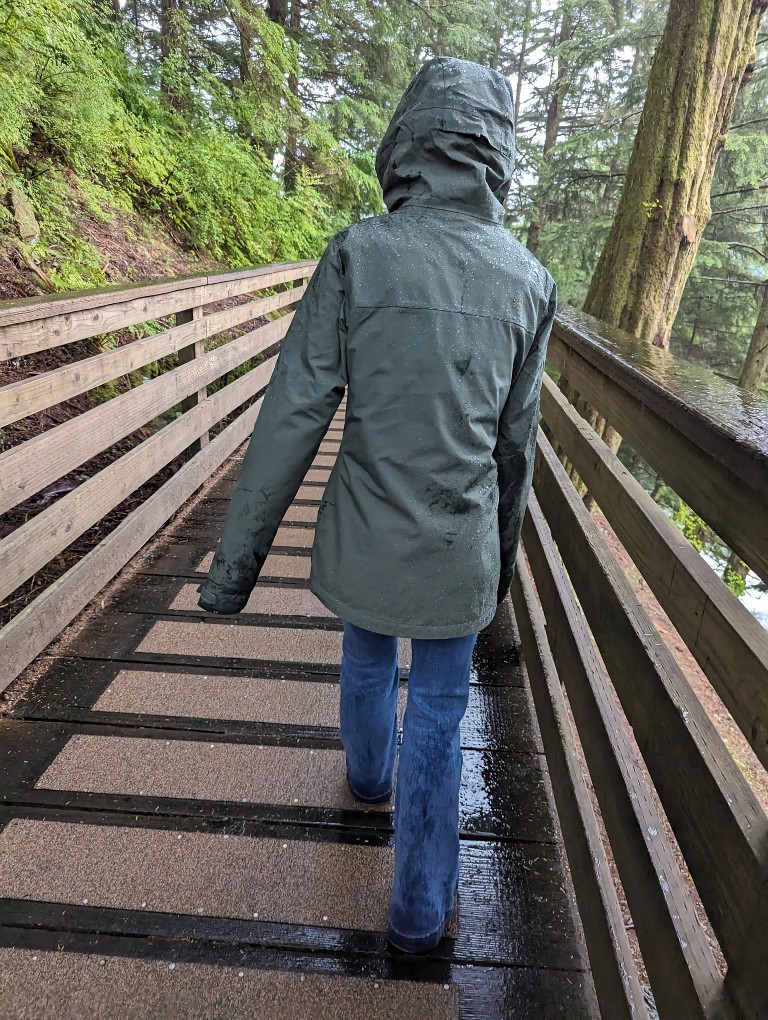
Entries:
{"x":194,"y":770}
{"x":49,"y":985}
{"x":219,"y":639}
{"x":323,"y":884}
{"x":264,"y":599}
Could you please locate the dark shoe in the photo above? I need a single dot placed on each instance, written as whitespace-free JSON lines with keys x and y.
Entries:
{"x":404,"y":944}
{"x":422,"y":943}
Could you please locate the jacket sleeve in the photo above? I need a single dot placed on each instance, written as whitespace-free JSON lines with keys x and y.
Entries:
{"x":516,"y":445}
{"x":305,"y":390}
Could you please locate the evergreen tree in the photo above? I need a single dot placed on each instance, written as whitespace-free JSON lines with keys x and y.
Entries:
{"x":700,"y":64}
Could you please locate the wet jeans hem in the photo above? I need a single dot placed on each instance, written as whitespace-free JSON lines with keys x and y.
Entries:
{"x":380,"y":798}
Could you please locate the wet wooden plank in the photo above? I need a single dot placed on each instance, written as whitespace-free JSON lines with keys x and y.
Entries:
{"x":35,"y":627}
{"x":27,"y":468}
{"x":97,"y":987}
{"x":727,"y":422}
{"x":499,"y":717}
{"x":723,"y":480}
{"x":617,"y":984}
{"x":504,"y":795}
{"x":33,"y":544}
{"x":29,"y":396}
{"x":37,"y":324}
{"x":711,"y":808}
{"x":676,"y":951}
{"x":727,"y":641}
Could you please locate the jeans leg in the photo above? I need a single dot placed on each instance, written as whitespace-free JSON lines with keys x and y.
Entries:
{"x":368,"y":711}
{"x":427,"y":801}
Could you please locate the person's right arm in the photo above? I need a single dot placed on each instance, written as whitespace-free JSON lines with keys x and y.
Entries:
{"x":516,"y":445}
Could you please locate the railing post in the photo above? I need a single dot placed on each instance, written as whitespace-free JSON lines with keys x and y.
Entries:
{"x":187,"y":354}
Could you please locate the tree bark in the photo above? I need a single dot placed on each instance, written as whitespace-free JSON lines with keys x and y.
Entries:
{"x":277,"y":11}
{"x":172,"y":44}
{"x":699,"y":66}
{"x":521,"y":60}
{"x":557,"y":96}
{"x":110,"y":8}
{"x":755,"y":365}
{"x":292,"y":155}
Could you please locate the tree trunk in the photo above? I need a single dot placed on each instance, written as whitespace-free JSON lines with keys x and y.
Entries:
{"x":172,"y":45}
{"x":756,"y":363}
{"x":554,"y":115}
{"x":521,"y":61}
{"x":277,"y":11}
{"x":292,"y":156}
{"x":698,"y":68}
{"x":110,"y":7}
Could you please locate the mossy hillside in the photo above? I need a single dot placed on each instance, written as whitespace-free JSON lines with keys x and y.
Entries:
{"x":87,"y":139}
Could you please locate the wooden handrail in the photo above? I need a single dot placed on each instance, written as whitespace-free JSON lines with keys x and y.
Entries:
{"x":38,"y":324}
{"x":48,"y":388}
{"x":646,"y":739}
{"x":726,"y":640}
{"x":720,"y":419}
{"x":33,"y":325}
{"x":706,"y":438}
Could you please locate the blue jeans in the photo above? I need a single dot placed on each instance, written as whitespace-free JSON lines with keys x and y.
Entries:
{"x":429,"y":772}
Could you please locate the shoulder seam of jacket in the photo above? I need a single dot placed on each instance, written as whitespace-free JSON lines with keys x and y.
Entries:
{"x":454,"y":311}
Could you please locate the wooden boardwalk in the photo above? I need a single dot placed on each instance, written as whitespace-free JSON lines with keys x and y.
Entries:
{"x":177,"y":839}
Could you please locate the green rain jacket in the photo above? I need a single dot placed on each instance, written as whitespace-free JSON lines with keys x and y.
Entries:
{"x":435,"y":321}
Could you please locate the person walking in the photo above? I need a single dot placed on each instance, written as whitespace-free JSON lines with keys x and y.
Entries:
{"x":434,"y":321}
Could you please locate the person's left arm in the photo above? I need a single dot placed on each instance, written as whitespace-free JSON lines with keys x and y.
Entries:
{"x":305,"y":390}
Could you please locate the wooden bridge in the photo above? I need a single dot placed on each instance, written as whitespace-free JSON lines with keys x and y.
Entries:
{"x":176,"y":839}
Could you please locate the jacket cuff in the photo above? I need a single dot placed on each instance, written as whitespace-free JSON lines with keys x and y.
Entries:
{"x":505,"y":583}
{"x":213,"y":600}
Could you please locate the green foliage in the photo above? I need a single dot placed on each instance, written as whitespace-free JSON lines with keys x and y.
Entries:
{"x":691,"y":525}
{"x":83,"y":122}
{"x":70,"y":261}
{"x":735,"y":581}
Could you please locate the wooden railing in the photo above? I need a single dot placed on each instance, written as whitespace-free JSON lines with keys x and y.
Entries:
{"x":639,"y":771}
{"x":28,"y":327}
{"x":654,"y":809}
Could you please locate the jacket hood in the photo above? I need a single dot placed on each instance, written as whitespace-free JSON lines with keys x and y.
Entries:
{"x":451,"y":141}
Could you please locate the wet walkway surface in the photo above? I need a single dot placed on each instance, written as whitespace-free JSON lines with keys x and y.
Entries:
{"x":177,"y":839}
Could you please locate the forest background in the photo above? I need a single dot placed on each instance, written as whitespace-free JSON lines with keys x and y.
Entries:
{"x":151,"y":137}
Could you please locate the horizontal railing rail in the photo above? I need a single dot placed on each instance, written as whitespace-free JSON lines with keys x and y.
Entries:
{"x":658,"y":817}
{"x":198,"y":356}
{"x":684,"y":827}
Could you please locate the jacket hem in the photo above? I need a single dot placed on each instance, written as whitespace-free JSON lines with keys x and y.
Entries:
{"x":379,"y":625}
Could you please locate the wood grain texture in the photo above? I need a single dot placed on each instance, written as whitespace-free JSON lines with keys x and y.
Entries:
{"x":613,"y":970}
{"x":684,"y":975}
{"x":727,"y":423}
{"x":31,"y":546}
{"x":17,"y":400}
{"x":26,"y":469}
{"x":193,"y":352}
{"x":717,"y":820}
{"x":724,"y":637}
{"x":42,"y":620}
{"x":732,"y":507}
{"x":32,"y":325}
